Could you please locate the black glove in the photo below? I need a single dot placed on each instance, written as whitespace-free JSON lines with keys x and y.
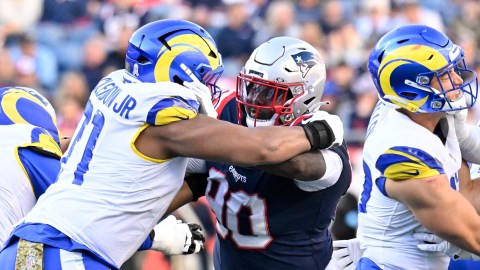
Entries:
{"x":198,"y":239}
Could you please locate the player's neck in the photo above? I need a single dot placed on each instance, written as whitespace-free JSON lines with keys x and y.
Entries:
{"x":426,"y":120}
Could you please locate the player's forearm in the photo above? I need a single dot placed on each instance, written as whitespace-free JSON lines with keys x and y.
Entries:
{"x":462,"y":226}
{"x":432,"y":199}
{"x":308,"y":166}
{"x":193,"y":188}
{"x":468,"y":188}
{"x":206,"y":138}
{"x":183,"y":197}
{"x":471,"y":191}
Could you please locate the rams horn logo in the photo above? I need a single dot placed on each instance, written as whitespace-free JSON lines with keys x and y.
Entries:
{"x":305,"y":60}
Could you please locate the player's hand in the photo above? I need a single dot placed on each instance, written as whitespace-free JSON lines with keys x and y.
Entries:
{"x":173,"y":237}
{"x":323,"y":130}
{"x":347,"y":254}
{"x":201,"y":91}
{"x":432,"y":243}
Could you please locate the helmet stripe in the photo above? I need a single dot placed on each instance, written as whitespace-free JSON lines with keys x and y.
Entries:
{"x":180,"y":44}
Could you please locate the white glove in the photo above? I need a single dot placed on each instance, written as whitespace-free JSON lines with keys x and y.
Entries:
{"x":461,"y":126}
{"x":201,"y":91}
{"x":468,"y":137}
{"x":173,"y":237}
{"x":347,"y":254}
{"x":432,"y":243}
{"x":328,"y":126}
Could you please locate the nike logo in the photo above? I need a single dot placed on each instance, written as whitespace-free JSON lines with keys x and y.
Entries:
{"x":182,"y":118}
{"x":305,"y":119}
{"x":414,"y":173}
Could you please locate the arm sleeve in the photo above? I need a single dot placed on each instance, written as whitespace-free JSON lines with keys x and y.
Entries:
{"x":172,"y":109}
{"x":197,"y":184}
{"x":147,"y":244}
{"x":195,"y":165}
{"x":402,"y":163}
{"x":41,"y":168}
{"x":334,"y":168}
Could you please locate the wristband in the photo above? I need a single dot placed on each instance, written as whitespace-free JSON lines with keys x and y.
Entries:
{"x":319,"y":134}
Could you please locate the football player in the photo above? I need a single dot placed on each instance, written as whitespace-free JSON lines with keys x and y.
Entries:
{"x":30,"y":154}
{"x":412,"y":154}
{"x":127,"y":159}
{"x":29,"y":151}
{"x":276,"y":216}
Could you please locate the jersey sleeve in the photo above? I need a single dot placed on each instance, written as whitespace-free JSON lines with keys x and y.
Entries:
{"x":402,"y":163}
{"x":42,"y":141}
{"x":41,"y":169}
{"x":172,"y":109}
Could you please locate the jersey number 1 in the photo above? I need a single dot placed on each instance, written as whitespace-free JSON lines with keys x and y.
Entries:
{"x":97,"y":122}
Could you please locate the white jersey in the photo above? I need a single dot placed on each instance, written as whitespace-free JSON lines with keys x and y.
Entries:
{"x":397,"y":148}
{"x":109,"y":196}
{"x":17,"y":193}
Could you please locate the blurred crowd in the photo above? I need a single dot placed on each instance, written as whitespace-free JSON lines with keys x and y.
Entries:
{"x":64,"y":47}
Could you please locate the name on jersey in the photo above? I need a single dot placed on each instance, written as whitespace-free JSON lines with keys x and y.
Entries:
{"x":236,"y":175}
{"x":107,"y":92}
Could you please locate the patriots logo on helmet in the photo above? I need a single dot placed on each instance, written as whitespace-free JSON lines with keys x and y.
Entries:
{"x":305,"y":60}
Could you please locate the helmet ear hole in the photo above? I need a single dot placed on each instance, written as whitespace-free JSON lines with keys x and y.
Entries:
{"x":177,"y":79}
{"x":142,"y":59}
{"x":409,"y":95}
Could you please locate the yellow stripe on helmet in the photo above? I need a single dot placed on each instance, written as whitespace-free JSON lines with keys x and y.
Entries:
{"x":180,"y":44}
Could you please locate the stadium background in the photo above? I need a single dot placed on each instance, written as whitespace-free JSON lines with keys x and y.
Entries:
{"x":63,"y":47}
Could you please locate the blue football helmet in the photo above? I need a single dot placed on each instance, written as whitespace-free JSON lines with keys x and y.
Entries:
{"x":404,"y":62}
{"x":22,"y":105}
{"x":172,"y":50}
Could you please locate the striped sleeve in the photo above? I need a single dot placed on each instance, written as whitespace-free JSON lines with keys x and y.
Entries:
{"x":42,"y":140}
{"x":401,"y":163}
{"x":172,"y":109}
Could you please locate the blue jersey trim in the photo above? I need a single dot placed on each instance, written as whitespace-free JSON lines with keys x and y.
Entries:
{"x":174,"y":101}
{"x":41,"y":169}
{"x":367,"y":264}
{"x":380,"y":182}
{"x":43,"y":233}
{"x":147,"y":244}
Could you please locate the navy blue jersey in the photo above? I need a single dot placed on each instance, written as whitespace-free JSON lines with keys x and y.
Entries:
{"x":265,"y":221}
